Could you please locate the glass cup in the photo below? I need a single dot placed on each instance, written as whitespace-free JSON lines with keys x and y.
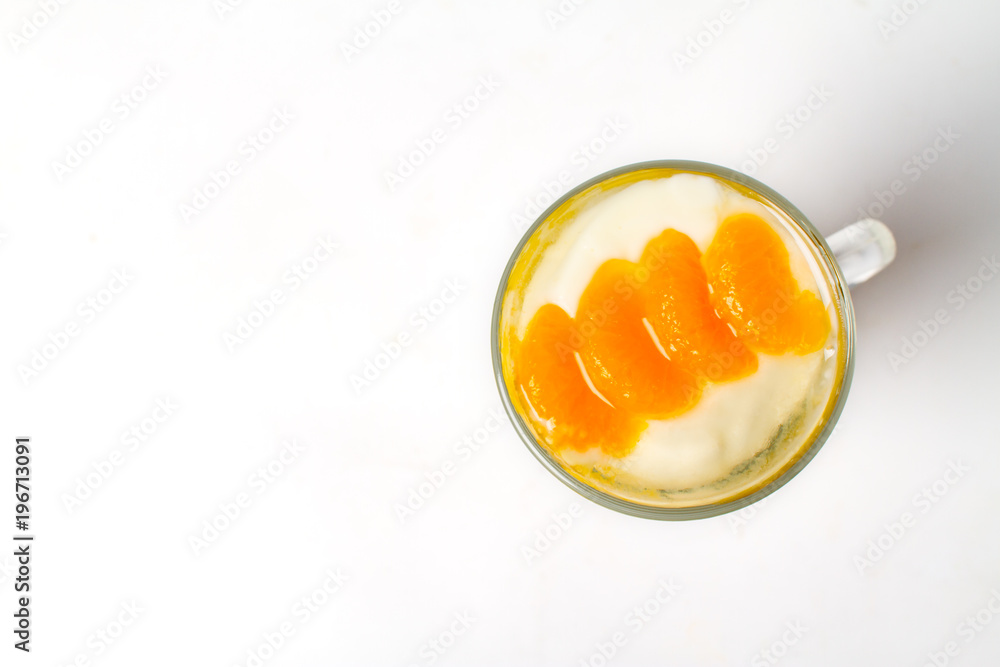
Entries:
{"x":848,"y":257}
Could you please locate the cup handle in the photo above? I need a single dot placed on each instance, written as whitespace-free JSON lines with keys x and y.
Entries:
{"x":862,"y":249}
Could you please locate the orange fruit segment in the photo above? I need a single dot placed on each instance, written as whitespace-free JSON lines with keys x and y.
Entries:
{"x":648,"y":337}
{"x":619,"y":352}
{"x":754,"y":290}
{"x":681,"y":313}
{"x":553,"y":382}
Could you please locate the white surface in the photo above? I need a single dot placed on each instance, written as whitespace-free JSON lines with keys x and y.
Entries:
{"x":793,"y":560}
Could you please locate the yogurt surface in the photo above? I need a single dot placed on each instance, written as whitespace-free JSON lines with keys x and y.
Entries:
{"x":734,"y":421}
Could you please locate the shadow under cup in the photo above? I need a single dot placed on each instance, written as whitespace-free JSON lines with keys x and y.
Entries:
{"x":780,"y":456}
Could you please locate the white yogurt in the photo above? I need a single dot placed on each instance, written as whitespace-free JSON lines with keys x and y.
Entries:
{"x":730,"y":424}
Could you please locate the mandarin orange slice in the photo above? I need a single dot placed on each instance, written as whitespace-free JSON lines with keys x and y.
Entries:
{"x":619,"y":352}
{"x":679,"y":309}
{"x":754,"y":290}
{"x":553,"y":383}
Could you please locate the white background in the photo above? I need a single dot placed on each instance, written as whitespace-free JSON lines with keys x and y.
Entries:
{"x":793,"y":559}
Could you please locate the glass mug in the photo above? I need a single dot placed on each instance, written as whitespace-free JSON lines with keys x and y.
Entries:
{"x":846,"y":258}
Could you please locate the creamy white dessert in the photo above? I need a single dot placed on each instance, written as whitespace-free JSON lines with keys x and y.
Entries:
{"x":740,"y":431}
{"x":620,"y":225}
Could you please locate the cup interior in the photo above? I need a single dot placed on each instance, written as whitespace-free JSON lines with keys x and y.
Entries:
{"x":753,"y":479}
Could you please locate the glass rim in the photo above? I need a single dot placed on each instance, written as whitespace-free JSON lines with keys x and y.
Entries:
{"x":840,"y":292}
